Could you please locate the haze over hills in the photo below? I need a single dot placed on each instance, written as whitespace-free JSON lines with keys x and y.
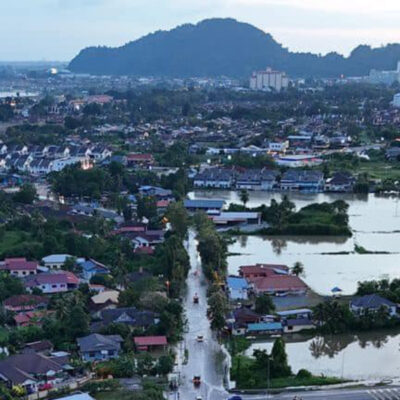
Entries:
{"x":216,"y":47}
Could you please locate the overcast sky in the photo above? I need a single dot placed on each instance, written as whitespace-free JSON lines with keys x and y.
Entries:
{"x":58,"y":29}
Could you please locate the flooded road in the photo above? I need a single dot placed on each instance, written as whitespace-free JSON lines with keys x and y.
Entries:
{"x":375,"y":222}
{"x":205,"y":359}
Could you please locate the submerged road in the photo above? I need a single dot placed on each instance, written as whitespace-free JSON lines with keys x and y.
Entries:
{"x":206,"y":359}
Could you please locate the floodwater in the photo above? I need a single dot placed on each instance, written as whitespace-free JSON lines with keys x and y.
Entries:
{"x":375,"y":222}
{"x":366,"y":356}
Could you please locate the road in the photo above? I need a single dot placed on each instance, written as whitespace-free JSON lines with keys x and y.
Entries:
{"x":339,"y":394}
{"x":207,"y":360}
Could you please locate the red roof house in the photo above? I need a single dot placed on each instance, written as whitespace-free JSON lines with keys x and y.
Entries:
{"x":145,"y":343}
{"x":262,"y":270}
{"x":278,"y":284}
{"x":25,"y":302}
{"x":19,"y":267}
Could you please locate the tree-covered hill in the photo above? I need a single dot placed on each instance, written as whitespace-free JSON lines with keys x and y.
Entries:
{"x":217,"y":47}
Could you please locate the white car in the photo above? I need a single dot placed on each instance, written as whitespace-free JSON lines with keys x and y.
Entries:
{"x":200,"y":338}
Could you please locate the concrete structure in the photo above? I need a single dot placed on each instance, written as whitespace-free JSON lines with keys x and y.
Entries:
{"x":269,"y":79}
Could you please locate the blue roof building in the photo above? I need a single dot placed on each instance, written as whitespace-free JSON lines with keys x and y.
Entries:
{"x":91,"y":268}
{"x":265,"y":327}
{"x":237,"y":288}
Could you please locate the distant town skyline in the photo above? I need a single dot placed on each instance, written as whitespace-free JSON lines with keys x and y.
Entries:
{"x":59,"y":29}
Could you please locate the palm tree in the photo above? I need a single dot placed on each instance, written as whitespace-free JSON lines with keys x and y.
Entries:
{"x":298,"y":269}
{"x":244,"y":197}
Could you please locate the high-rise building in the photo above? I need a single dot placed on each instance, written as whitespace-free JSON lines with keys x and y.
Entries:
{"x":269,"y":79}
{"x":396,"y":100}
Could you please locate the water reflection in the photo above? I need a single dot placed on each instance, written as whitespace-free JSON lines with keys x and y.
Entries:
{"x":354,"y":355}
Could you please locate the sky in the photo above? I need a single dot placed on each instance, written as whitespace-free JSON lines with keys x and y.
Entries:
{"x":57,"y":30}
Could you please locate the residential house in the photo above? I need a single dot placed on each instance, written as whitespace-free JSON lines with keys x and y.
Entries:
{"x":30,"y":369}
{"x":372,"y":303}
{"x":262,"y":270}
{"x":49,"y":283}
{"x":214,"y":178}
{"x":96,"y":347}
{"x":340,"y":182}
{"x":44,"y":347}
{"x":296,"y":320}
{"x":150,"y":239}
{"x":256,"y":179}
{"x":28,"y":318}
{"x":277,"y":284}
{"x":237,"y":288}
{"x":157,"y":192}
{"x":130,"y":316}
{"x":294,"y":325}
{"x":139,"y":160}
{"x":19,"y":267}
{"x":240,"y":318}
{"x":304,"y":180}
{"x":25,"y":302}
{"x":100,"y":153}
{"x":90,"y":268}
{"x":105,"y":299}
{"x":55,"y":261}
{"x":150,"y":343}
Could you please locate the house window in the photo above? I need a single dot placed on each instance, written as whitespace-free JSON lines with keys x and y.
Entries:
{"x":43,"y":287}
{"x":53,"y":286}
{"x":23,"y":272}
{"x":92,"y":354}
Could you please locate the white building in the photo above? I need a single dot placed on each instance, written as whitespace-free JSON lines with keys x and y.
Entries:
{"x":269,"y":79}
{"x":396,"y":100}
{"x":385,"y":77}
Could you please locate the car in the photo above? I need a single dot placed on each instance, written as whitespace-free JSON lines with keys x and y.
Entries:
{"x":195,"y":299}
{"x":200,"y":338}
{"x":235,"y":397}
{"x":45,"y":386}
{"x":199,"y":397}
{"x":196,"y":380}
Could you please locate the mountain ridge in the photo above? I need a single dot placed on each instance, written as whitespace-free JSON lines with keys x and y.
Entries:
{"x":224,"y":46}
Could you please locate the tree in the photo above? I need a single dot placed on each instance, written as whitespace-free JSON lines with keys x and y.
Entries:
{"x":244,"y":196}
{"x":179,"y":219}
{"x":26,"y":194}
{"x":297,"y":269}
{"x":280,"y":365}
{"x":264,"y":304}
{"x":218,"y":308}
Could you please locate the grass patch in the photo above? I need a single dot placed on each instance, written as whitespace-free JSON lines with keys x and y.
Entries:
{"x":277,"y":383}
{"x":248,"y":376}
